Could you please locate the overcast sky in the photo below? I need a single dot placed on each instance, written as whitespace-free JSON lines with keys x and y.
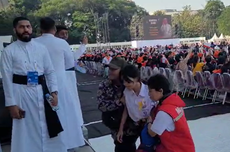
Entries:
{"x":154,"y":5}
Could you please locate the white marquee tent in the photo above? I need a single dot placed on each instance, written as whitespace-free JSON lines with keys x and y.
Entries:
{"x":222,"y":37}
{"x":215,"y":37}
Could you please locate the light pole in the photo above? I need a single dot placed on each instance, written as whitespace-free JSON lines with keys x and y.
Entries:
{"x":107,"y":28}
{"x":97,"y":30}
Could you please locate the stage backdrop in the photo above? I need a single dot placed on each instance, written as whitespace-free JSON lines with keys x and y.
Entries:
{"x":157,"y":27}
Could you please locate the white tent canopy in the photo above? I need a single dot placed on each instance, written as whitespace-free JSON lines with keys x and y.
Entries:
{"x":215,"y":37}
{"x":221,"y":37}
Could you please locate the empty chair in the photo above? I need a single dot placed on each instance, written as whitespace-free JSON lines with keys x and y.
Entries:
{"x":155,"y":71}
{"x":192,"y":83}
{"x":201,"y":83}
{"x":168,"y":73}
{"x":94,"y":67}
{"x":148,"y":72}
{"x":208,"y":78}
{"x":142,"y":73}
{"x":178,"y":80}
{"x":162,"y":71}
{"x":88,"y":67}
{"x":226,"y":82}
{"x":100,"y":69}
{"x":187,"y":84}
{"x":218,"y":85}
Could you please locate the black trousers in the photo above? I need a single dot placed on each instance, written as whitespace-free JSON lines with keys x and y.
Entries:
{"x":139,"y":65}
{"x":128,"y":144}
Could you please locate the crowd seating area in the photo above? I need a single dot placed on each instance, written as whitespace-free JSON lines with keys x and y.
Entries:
{"x":202,"y":85}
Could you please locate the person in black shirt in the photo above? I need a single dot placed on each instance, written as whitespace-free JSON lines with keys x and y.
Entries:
{"x":208,"y":66}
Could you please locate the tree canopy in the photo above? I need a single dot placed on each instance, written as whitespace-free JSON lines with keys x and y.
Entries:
{"x":190,"y":25}
{"x":123,"y":15}
{"x":76,"y":14}
{"x":224,"y":21}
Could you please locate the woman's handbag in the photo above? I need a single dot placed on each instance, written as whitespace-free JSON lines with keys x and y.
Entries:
{"x":112,"y":119}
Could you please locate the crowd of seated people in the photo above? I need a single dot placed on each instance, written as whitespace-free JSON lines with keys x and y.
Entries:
{"x":196,"y":58}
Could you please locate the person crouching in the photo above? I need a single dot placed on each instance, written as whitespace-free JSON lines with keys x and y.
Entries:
{"x":168,"y":119}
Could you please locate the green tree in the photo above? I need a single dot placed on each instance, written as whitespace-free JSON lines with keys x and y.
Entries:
{"x":189,"y":24}
{"x":212,"y":11}
{"x":159,"y":13}
{"x":6,"y":23}
{"x":24,"y":7}
{"x":224,"y":21}
{"x":78,"y":15}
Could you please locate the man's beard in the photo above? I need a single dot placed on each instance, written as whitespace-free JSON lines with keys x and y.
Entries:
{"x":24,"y":38}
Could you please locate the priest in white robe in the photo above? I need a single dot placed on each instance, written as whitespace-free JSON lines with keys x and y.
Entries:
{"x":23,"y":64}
{"x":62,"y":32}
{"x":61,"y":55}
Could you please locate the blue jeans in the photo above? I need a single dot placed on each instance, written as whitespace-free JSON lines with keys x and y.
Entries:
{"x":106,"y":72}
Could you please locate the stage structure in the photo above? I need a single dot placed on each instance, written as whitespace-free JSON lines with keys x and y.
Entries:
{"x":157,"y":27}
{"x":136,"y":28}
{"x":102,"y":29}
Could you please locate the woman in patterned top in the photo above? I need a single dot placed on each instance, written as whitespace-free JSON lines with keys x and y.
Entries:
{"x":109,"y":95}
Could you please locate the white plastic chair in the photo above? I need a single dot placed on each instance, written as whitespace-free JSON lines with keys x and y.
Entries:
{"x":201,"y":83}
{"x":218,"y":85}
{"x":192,"y":84}
{"x":162,"y":71}
{"x":178,"y":81}
{"x":226,"y":82}
{"x":142,"y":73}
{"x":168,"y":73}
{"x":155,"y":71}
{"x":148,"y":72}
{"x":208,"y":78}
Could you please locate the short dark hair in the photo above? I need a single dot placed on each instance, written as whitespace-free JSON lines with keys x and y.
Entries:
{"x":61,"y":27}
{"x":47,"y":24}
{"x":159,"y":82}
{"x":18,"y":19}
{"x":130,"y":71}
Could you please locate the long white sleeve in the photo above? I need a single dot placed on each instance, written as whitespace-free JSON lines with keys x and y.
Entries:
{"x":69,"y":57}
{"x":7,"y":77}
{"x":79,"y":52}
{"x":49,"y":72}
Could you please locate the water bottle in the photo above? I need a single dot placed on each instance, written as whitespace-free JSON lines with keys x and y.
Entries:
{"x":49,"y":98}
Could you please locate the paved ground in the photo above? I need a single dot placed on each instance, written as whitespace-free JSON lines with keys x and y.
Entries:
{"x":6,"y":148}
{"x":195,"y":108}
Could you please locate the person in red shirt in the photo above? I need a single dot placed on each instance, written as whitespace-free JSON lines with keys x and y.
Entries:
{"x":168,"y":119}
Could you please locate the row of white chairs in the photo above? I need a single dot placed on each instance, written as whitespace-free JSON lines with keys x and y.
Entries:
{"x":186,"y":82}
{"x":94,"y":68}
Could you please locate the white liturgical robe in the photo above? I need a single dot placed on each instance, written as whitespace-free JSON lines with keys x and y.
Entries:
{"x":72,"y":82}
{"x":29,"y":134}
{"x":59,"y":51}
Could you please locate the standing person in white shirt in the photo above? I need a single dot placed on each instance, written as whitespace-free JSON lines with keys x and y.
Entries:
{"x":25,"y":66}
{"x":62,"y":32}
{"x":106,"y":60}
{"x":60,"y":54}
{"x":138,"y":104}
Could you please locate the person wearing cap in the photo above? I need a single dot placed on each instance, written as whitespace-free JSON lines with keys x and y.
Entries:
{"x":109,"y":95}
